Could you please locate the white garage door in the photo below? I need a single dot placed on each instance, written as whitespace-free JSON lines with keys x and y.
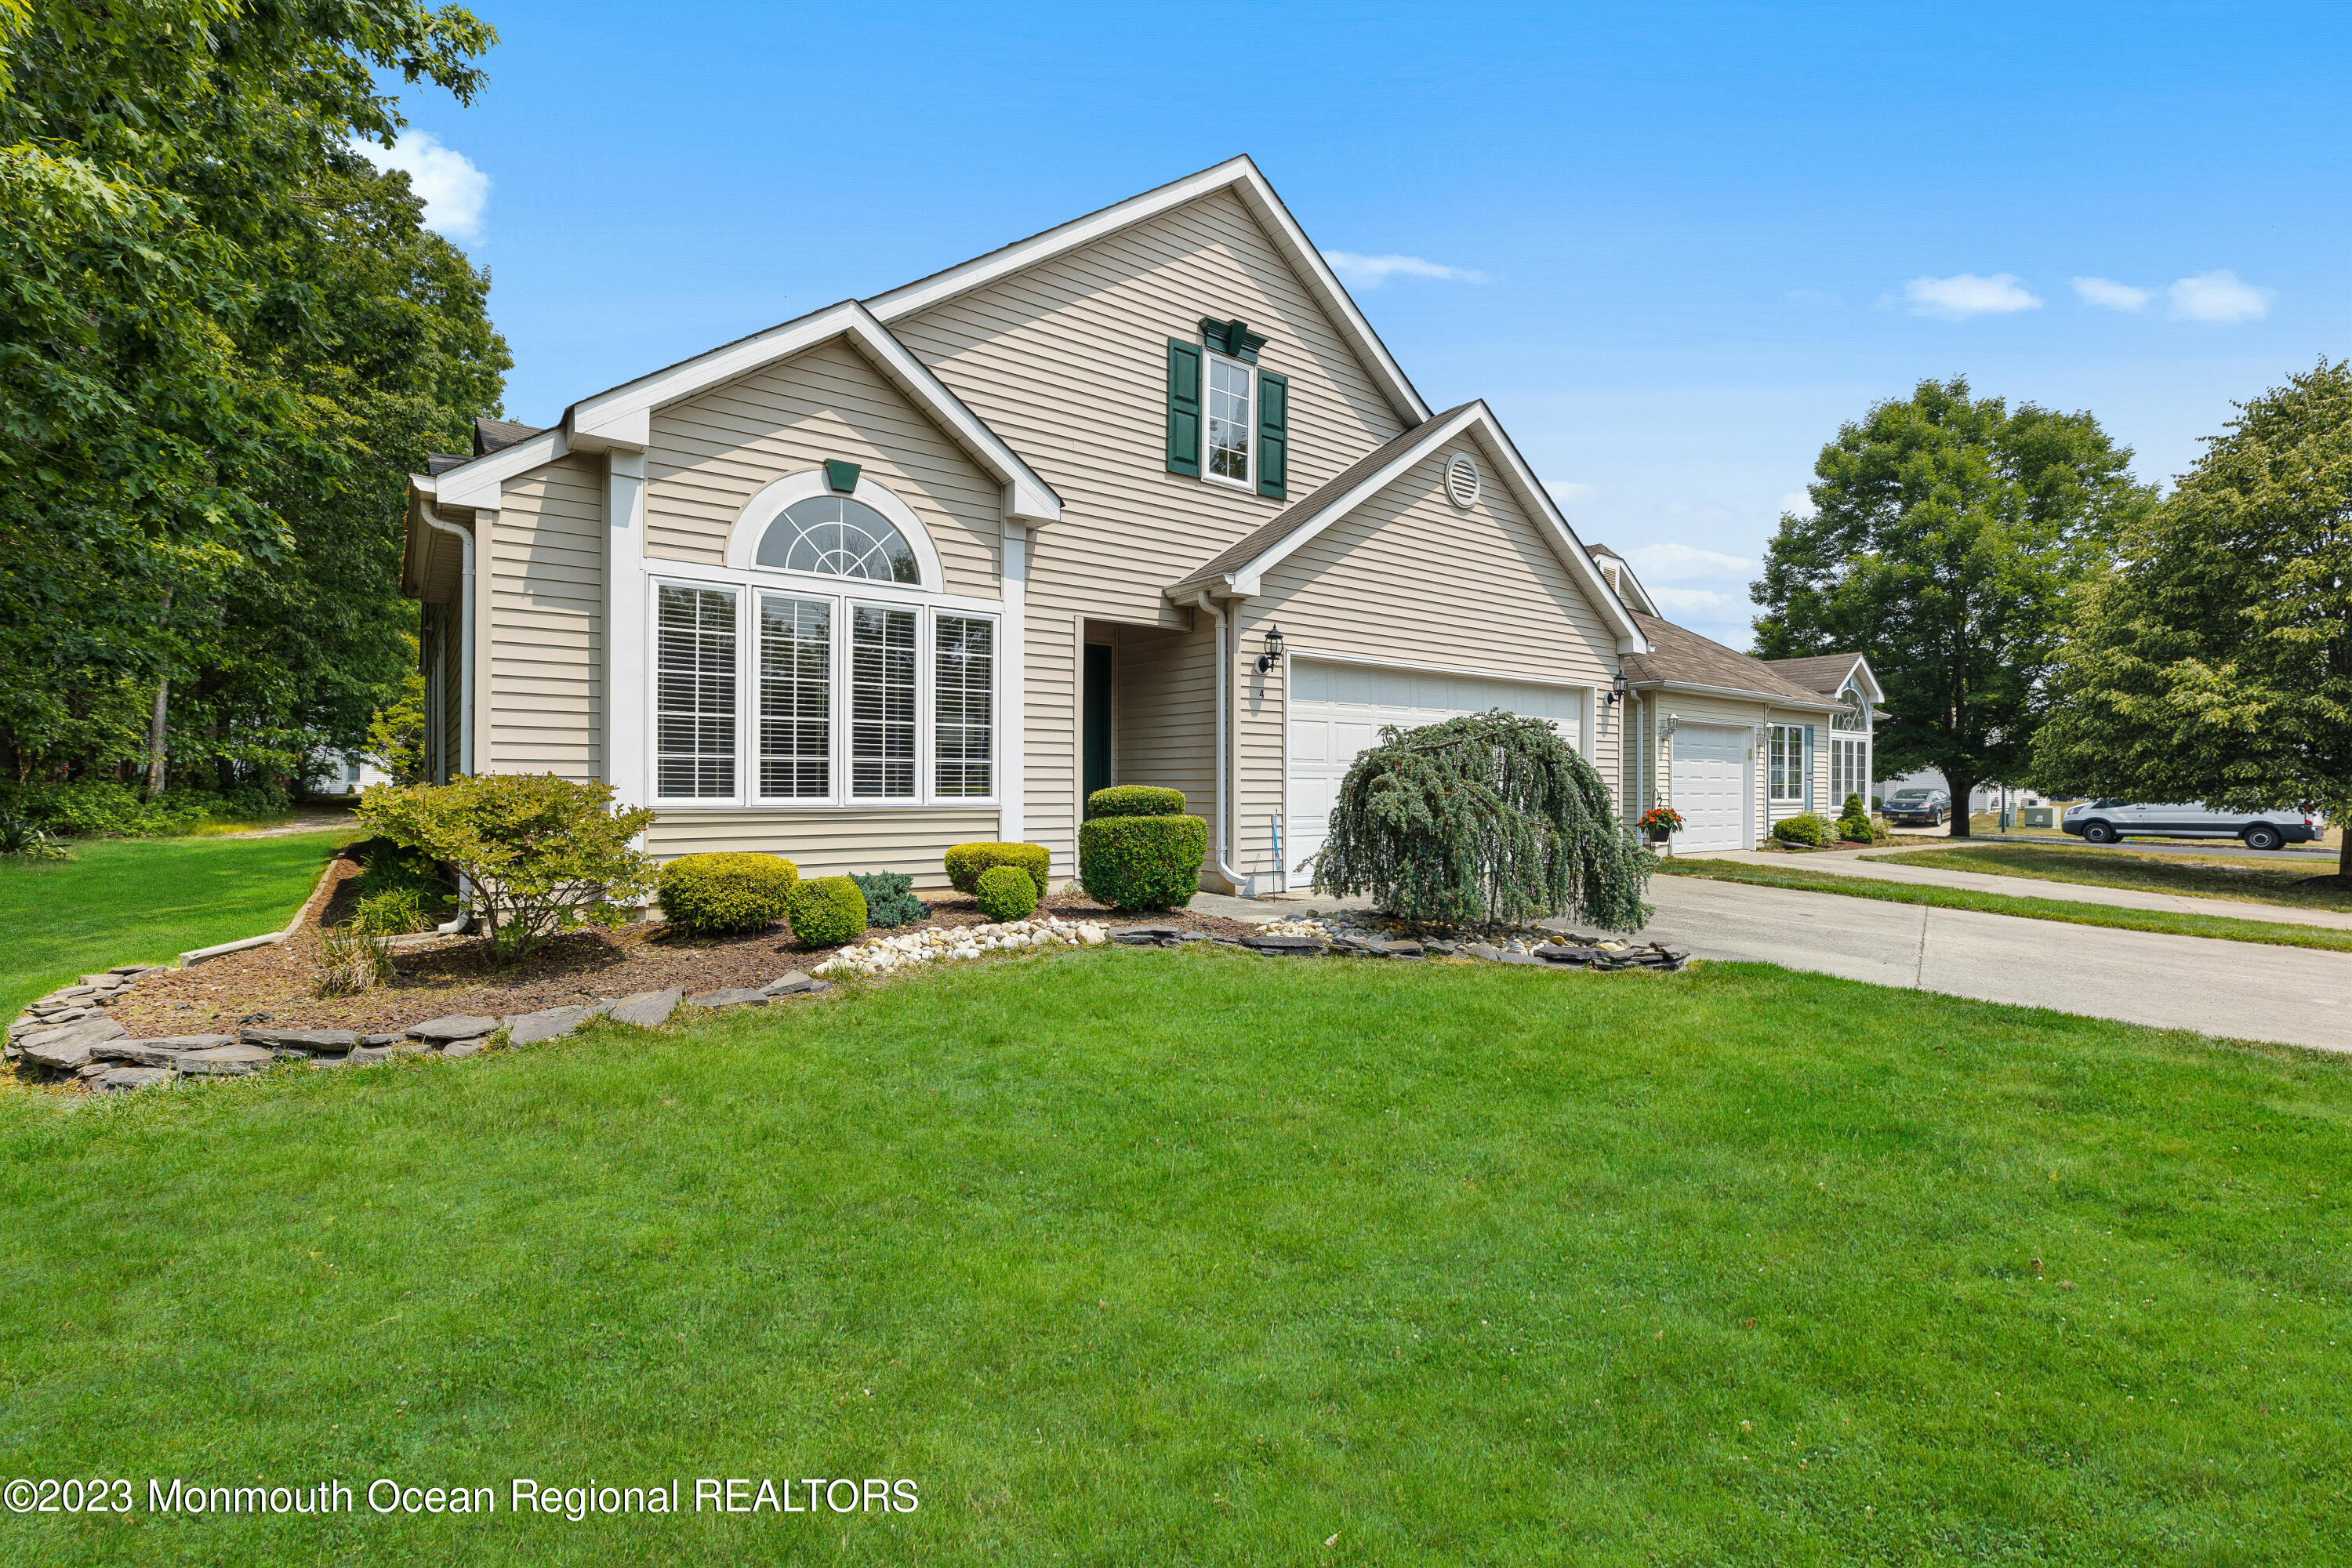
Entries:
{"x":1338,"y":710}
{"x":1711,"y":786}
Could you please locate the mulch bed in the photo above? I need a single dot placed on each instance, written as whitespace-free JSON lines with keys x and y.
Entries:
{"x":455,"y":975}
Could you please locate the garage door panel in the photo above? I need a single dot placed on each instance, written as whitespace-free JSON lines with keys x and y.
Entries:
{"x":1338,"y":711}
{"x":1710,"y":786}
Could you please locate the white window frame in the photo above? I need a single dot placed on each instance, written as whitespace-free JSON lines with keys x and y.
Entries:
{"x":1790,"y":739}
{"x":1210,"y":360}
{"x":748,"y":584}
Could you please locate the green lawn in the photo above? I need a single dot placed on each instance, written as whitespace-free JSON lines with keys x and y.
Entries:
{"x":133,"y":900}
{"x":1198,"y":1257}
{"x":2304,"y":884}
{"x":2276,"y":934}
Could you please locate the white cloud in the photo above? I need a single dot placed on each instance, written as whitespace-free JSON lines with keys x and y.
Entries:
{"x":2110,"y":294}
{"x":1568,"y":492}
{"x":1685,"y":563}
{"x":2219,"y":297}
{"x":454,"y":191}
{"x":1372,"y":271}
{"x":1798,"y":503}
{"x":1957,"y":297}
{"x":1698,"y":601}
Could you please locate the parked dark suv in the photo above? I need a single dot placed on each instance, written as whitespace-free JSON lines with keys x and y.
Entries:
{"x":2112,"y":821}
{"x":1918,"y":807}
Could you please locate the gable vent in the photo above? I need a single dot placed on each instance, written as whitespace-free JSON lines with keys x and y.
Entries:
{"x":1461,"y":480}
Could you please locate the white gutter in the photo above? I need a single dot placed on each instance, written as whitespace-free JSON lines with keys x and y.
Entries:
{"x":465,"y":683}
{"x":1239,"y":882}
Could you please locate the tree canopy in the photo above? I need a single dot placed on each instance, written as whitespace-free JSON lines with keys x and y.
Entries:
{"x":225,"y":335}
{"x":2215,"y":661}
{"x":1946,"y":532}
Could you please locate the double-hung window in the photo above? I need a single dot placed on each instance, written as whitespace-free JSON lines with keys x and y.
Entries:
{"x":1229,"y":420}
{"x":1784,"y":763}
{"x":963,"y":682}
{"x":882,"y":702}
{"x":694,"y":694}
{"x":795,"y":698}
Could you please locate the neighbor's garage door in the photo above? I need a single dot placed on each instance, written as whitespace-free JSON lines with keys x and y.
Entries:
{"x":1711,"y":785}
{"x":1338,"y":710}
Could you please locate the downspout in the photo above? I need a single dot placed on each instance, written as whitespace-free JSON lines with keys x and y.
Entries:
{"x":465,"y":683}
{"x":1238,"y":883}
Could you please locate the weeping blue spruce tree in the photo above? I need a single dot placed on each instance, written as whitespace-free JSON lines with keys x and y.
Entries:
{"x":1486,"y":817}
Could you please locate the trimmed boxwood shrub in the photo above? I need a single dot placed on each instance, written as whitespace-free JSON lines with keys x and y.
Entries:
{"x":1853,"y":823}
{"x":711,"y":895}
{"x":1142,"y":862}
{"x":1803,"y":828}
{"x":966,"y":861}
{"x":827,"y":911}
{"x":1005,"y":893}
{"x":890,"y":898}
{"x":1136,"y":800}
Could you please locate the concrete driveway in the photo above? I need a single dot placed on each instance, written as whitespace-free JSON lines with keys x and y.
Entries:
{"x":2236,"y":990}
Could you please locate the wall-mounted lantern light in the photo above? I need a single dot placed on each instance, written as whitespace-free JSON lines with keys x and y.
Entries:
{"x":1618,"y":690}
{"x":1273,"y":653}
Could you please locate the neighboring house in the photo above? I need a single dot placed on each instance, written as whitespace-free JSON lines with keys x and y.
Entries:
{"x":343,"y":774}
{"x":1734,"y":742}
{"x":1139,"y":499}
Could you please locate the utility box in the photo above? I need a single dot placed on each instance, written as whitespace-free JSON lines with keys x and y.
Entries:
{"x":2039,"y":816}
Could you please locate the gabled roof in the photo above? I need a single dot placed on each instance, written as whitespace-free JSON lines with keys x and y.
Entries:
{"x":622,"y":416}
{"x":1679,"y":656}
{"x":1236,"y":571}
{"x":1629,"y":587}
{"x":1241,"y":176}
{"x":1827,"y":673}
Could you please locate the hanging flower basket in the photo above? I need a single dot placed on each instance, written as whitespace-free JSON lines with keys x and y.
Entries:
{"x":1659,"y":823}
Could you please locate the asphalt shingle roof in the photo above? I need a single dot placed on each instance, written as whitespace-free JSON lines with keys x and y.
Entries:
{"x":1680,"y":655}
{"x":1822,"y":672}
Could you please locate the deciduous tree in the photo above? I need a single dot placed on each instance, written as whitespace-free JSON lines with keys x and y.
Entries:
{"x":2215,"y":662}
{"x":1945,"y":533}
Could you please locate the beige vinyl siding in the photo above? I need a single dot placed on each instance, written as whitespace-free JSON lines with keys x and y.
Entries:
{"x":542,"y":569}
{"x":452,"y":692}
{"x":1410,"y":578}
{"x":1067,"y":361}
{"x":830,"y":843}
{"x":712,"y":453}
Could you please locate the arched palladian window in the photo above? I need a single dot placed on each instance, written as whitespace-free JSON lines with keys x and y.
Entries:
{"x":1857,"y":712}
{"x":836,"y":536}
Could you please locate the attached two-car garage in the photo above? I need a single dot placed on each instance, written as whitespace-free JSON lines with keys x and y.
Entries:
{"x":1338,"y":710}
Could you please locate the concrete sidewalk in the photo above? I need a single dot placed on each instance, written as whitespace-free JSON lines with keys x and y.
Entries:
{"x":2235,"y":990}
{"x":1848,"y":863}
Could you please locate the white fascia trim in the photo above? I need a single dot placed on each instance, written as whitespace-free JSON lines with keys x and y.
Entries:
{"x":1761,"y":698}
{"x":624,"y":416}
{"x":1256,"y":193}
{"x":480,"y":483}
{"x":1869,"y":687}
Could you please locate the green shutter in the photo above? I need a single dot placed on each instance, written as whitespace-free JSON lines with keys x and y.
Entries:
{"x":1272,"y":433}
{"x":1183,"y":407}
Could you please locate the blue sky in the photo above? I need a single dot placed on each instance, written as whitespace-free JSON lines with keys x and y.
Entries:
{"x":1673,"y":247}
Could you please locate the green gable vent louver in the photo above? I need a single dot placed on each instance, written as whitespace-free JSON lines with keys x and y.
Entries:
{"x":842,"y":477}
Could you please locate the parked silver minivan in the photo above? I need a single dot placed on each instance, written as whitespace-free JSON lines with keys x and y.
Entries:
{"x":2113,"y":821}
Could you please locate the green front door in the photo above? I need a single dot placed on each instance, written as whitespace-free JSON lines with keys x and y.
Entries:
{"x":1095,"y":710}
